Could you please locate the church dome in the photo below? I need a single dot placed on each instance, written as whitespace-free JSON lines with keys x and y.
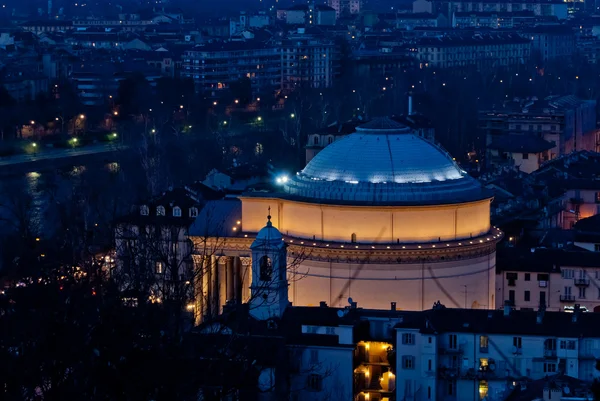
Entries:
{"x":384,"y":162}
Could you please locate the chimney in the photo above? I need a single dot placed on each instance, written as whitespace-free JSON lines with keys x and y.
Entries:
{"x":410,"y":104}
{"x":576,"y":312}
{"x":323,"y":304}
{"x":540,"y":314}
{"x":393,"y":306}
{"x":507,"y":308}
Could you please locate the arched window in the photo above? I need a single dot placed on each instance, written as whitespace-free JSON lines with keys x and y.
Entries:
{"x":266,"y":268}
{"x":353,"y":238}
{"x":193,"y":212}
{"x":160,"y":210}
{"x":315,"y":140}
{"x":176,"y":211}
{"x":144,"y":210}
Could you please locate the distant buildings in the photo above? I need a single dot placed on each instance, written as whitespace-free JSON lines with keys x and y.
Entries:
{"x":311,"y":14}
{"x":544,"y":8}
{"x":483,"y":51}
{"x":551,"y":42}
{"x":525,"y":133}
{"x":346,"y":7}
{"x":215,"y":66}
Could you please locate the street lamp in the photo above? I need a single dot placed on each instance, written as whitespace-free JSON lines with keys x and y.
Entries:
{"x":116,"y":113}
{"x":292,"y":115}
{"x":32,"y":122}
{"x":259,"y":118}
{"x":82,"y":116}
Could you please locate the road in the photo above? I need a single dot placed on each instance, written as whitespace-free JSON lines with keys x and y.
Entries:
{"x":48,"y":154}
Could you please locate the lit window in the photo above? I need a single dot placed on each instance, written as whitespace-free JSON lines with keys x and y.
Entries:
{"x":177,"y":211}
{"x":159,"y":268}
{"x":160,"y":211}
{"x":193,"y":212}
{"x":144,"y":210}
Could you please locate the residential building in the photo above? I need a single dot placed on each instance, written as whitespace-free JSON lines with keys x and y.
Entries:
{"x":39,"y":27}
{"x":345,"y":7}
{"x":215,"y":66}
{"x":498,"y":19}
{"x":480,"y":50}
{"x":543,"y":8}
{"x":524,"y":152}
{"x":556,"y":278}
{"x":311,"y":14}
{"x":152,"y":250}
{"x":551,"y":42}
{"x":566,"y":121}
{"x":308,"y":60}
{"x":471,"y":355}
{"x":413,"y":20}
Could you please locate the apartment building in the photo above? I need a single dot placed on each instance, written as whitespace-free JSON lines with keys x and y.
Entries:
{"x":566,"y":121}
{"x":308,"y":60}
{"x":345,"y":8}
{"x":543,"y":8}
{"x":215,"y":66}
{"x":480,"y":50}
{"x":472,"y":355}
{"x":551,"y":42}
{"x":498,"y":19}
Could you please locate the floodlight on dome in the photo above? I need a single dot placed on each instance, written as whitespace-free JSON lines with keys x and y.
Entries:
{"x":282,"y":179}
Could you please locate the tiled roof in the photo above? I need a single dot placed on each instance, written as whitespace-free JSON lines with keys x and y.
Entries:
{"x":520,"y":144}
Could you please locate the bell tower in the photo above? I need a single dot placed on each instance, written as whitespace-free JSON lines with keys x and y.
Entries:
{"x":269,"y":289}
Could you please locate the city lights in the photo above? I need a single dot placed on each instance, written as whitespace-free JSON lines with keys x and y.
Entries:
{"x":282,"y":179}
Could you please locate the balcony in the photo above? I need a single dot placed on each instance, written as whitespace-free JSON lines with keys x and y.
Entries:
{"x":581,"y":282}
{"x":550,"y":353}
{"x":450,"y":351}
{"x":567,"y":298}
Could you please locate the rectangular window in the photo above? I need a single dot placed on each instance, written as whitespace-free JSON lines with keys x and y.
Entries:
{"x":452,"y":341}
{"x":429,"y":365}
{"x":408,"y":362}
{"x":549,"y":367}
{"x":527,"y":276}
{"x":314,"y":357}
{"x":525,"y":155}
{"x":597,"y":197}
{"x":596,"y":249}
{"x":159,"y":268}
{"x":511,"y":296}
{"x":581,"y":292}
{"x":517,"y":342}
{"x":571,"y":344}
{"x":563,"y":344}
{"x":408,"y":338}
{"x":315,"y":382}
{"x":483,"y":343}
{"x":527,"y":296}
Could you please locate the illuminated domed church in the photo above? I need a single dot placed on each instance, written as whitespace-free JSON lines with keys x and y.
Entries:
{"x":382,"y":216}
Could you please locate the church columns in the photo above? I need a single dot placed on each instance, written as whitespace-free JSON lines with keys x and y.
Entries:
{"x":237,"y":280}
{"x":246,"y":278}
{"x":222,"y":282}
{"x":229,"y":279}
{"x":213,"y":292}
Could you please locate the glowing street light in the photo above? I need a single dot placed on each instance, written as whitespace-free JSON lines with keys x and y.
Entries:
{"x":214,"y":103}
{"x":259,"y":118}
{"x":32,"y":122}
{"x":236,"y":101}
{"x":116,"y":113}
{"x":225,"y":122}
{"x":181,"y":106}
{"x":258,"y":99}
{"x":153,"y":131}
{"x":82,"y":116}
{"x":34,"y":144}
{"x":292,"y":115}
{"x":114,"y":134}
